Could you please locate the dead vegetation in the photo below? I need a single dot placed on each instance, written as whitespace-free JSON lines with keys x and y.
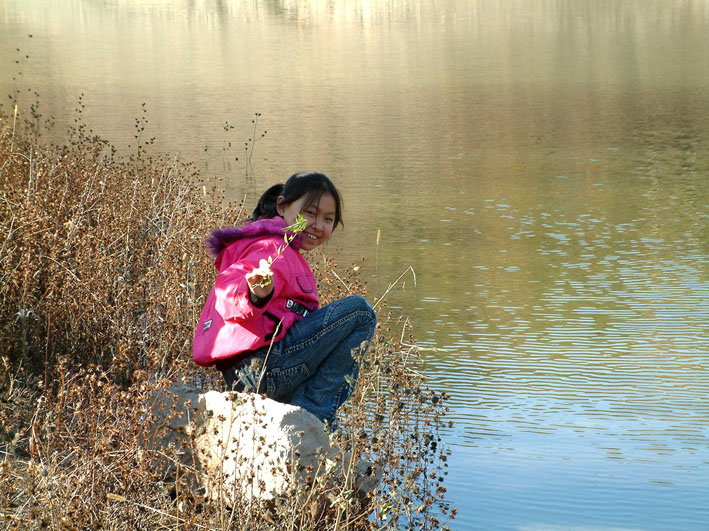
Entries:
{"x":102,"y":278}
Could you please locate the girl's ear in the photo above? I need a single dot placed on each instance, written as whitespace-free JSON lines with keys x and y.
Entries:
{"x":279,"y":207}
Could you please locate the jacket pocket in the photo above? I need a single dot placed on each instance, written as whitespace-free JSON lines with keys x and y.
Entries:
{"x":305,"y":283}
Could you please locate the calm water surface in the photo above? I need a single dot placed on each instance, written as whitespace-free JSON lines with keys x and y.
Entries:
{"x":543,"y":166}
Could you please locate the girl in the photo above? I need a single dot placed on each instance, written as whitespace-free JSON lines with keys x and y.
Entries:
{"x":261,"y":325}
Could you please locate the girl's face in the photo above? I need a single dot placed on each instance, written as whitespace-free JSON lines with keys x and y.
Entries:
{"x":319,"y":214}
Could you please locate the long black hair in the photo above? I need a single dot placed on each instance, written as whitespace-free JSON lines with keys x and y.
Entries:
{"x":310,"y":184}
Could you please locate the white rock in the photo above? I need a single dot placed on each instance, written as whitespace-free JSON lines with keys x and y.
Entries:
{"x":251,"y":447}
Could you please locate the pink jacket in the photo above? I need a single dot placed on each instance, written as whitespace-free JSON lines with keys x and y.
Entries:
{"x":230,"y":324}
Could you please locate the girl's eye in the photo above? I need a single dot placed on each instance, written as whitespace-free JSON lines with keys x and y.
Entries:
{"x":330,"y":220}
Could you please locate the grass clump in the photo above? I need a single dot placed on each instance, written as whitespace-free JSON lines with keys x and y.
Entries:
{"x":102,"y":279}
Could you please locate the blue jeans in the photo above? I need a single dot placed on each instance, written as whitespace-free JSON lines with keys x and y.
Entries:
{"x":310,"y":367}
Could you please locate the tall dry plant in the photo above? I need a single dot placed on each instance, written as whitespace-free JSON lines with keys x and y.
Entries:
{"x":102,"y":279}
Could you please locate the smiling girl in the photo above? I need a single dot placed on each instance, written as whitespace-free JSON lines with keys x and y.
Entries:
{"x":261,"y":325}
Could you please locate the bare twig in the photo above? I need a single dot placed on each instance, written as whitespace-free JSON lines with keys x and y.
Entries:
{"x":265,"y":359}
{"x":342,"y":281}
{"x":122,"y":499}
{"x":394,"y":284}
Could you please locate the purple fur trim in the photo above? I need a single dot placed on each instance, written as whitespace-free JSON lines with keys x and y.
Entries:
{"x":220,"y":238}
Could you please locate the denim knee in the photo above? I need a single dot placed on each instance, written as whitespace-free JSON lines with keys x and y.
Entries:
{"x":359,"y":303}
{"x":367,"y":318}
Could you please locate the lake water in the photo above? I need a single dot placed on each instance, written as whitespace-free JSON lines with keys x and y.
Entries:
{"x":542,"y":165}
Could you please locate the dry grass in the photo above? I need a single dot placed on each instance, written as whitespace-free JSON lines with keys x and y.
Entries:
{"x":102,"y":278}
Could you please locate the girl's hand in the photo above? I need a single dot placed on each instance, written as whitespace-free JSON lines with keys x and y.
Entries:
{"x":261,"y":280}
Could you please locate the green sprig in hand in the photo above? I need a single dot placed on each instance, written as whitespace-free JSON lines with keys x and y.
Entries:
{"x":260,"y":278}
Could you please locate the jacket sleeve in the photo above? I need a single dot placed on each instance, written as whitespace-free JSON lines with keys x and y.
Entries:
{"x":232,"y":289}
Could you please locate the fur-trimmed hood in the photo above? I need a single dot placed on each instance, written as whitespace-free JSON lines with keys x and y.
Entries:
{"x":219,"y":239}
